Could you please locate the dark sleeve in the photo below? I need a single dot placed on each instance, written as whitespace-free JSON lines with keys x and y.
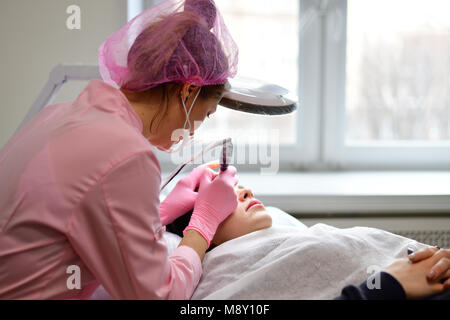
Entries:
{"x":388,"y":289}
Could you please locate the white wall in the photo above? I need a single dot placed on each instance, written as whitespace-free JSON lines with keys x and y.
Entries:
{"x":34,"y":38}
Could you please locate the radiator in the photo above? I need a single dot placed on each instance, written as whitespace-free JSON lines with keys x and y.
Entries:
{"x":433,"y":231}
{"x":439,"y":238}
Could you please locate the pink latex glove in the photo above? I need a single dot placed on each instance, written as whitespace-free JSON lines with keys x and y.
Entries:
{"x":215,"y":202}
{"x":182,"y":198}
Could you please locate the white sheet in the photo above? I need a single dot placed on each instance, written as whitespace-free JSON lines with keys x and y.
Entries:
{"x":294,"y":263}
{"x":279,"y":218}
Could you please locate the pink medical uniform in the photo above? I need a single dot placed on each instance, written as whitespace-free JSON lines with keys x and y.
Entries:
{"x":79,"y":201}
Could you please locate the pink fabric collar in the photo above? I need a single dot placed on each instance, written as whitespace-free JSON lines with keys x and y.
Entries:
{"x":125,"y":110}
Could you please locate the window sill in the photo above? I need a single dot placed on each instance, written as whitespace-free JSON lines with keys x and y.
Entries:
{"x":361,"y":193}
{"x":351,"y":193}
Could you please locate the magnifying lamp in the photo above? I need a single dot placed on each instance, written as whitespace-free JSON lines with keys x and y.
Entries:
{"x":259,"y":97}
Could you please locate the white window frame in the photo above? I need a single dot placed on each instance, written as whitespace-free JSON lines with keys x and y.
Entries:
{"x":414,"y":155}
{"x":321,"y":115}
{"x":292,"y":156}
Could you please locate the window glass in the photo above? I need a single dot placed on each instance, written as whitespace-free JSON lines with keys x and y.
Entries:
{"x":266,"y":33}
{"x":398,"y":70}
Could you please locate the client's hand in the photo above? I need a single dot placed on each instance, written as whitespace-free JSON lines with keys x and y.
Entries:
{"x":182,"y":198}
{"x":441,"y":269}
{"x":413,"y":276}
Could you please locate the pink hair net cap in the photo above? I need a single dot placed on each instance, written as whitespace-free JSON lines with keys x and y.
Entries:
{"x":175,"y":41}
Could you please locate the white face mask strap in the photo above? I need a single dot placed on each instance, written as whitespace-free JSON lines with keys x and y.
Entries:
{"x":190,"y":109}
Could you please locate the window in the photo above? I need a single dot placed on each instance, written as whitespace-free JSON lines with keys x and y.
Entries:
{"x":386,"y":85}
{"x":262,"y":29}
{"x":398,"y":70}
{"x":372,"y":78}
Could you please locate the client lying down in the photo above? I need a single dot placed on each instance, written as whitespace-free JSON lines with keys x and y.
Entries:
{"x":264,"y":253}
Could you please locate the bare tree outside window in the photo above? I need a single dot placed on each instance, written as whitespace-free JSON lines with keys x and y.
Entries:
{"x":398,"y":70}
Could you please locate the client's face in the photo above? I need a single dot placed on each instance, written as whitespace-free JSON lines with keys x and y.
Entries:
{"x":250,"y":215}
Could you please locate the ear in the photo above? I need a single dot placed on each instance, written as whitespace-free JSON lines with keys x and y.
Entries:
{"x":187,"y":89}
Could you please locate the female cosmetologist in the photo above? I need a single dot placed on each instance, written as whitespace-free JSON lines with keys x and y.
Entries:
{"x":79,"y":197}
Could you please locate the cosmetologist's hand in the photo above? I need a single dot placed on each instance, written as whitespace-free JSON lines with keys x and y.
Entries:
{"x":182,"y":198}
{"x":215,"y":202}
